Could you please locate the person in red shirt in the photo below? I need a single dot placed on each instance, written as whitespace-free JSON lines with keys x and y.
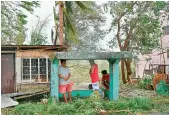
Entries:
{"x":94,"y":75}
{"x":105,"y":79}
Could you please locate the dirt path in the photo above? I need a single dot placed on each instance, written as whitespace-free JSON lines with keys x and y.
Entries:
{"x":125,"y":90}
{"x":135,"y":92}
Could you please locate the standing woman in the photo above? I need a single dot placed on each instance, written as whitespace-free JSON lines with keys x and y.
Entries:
{"x":94,"y":75}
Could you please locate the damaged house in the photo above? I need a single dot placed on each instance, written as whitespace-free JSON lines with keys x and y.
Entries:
{"x":26,"y":68}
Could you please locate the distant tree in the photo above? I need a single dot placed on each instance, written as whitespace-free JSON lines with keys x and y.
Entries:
{"x":89,"y":29}
{"x":13,"y":20}
{"x":136,"y":27}
{"x":38,"y":35}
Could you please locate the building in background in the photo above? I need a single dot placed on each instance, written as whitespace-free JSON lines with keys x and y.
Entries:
{"x":149,"y":64}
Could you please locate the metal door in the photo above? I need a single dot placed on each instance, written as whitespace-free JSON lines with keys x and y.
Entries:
{"x":7,"y":73}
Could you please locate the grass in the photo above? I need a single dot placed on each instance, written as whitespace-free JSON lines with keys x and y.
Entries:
{"x":94,"y":105}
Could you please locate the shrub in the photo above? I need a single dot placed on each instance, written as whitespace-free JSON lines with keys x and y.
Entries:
{"x":148,"y":80}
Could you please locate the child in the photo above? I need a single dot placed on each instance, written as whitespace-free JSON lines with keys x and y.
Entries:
{"x":64,"y":82}
{"x":105,"y":79}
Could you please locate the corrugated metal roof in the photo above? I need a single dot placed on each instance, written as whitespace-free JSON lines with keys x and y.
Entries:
{"x":27,"y":47}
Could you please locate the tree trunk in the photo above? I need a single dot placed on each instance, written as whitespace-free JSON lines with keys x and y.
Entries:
{"x":61,"y":23}
{"x":144,"y":69}
{"x":123,"y":72}
{"x":163,"y":56}
{"x":128,"y":67}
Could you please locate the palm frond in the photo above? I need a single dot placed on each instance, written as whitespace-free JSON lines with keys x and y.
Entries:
{"x":68,"y":20}
{"x":68,"y":5}
{"x":56,"y":17}
{"x":57,"y":2}
{"x":84,"y":6}
{"x":70,"y":27}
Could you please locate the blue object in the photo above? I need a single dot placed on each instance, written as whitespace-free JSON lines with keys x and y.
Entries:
{"x":54,"y":86}
{"x":114,"y":79}
{"x":79,"y":93}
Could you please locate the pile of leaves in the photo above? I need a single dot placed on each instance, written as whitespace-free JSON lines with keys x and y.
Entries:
{"x":93,"y":106}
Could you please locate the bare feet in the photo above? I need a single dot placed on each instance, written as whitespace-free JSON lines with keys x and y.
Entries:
{"x":66,"y":101}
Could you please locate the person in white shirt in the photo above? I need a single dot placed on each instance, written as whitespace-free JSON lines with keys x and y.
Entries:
{"x":64,"y":83}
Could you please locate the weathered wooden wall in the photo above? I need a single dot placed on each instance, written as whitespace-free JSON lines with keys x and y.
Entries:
{"x":33,"y":87}
{"x":33,"y":53}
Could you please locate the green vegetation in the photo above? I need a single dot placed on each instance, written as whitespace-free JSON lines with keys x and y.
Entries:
{"x":136,"y":26}
{"x":162,"y":88}
{"x":146,"y":82}
{"x":13,"y":20}
{"x":93,"y":106}
{"x":38,"y":36}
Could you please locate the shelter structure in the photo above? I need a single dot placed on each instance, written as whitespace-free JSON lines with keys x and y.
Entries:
{"x":112,"y":57}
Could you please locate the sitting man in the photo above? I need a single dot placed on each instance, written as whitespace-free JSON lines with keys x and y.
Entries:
{"x":105,"y":79}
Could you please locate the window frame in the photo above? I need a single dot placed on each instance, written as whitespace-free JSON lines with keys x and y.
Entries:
{"x":30,"y":74}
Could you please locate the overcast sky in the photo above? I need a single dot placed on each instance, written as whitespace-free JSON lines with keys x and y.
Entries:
{"x":45,"y":10}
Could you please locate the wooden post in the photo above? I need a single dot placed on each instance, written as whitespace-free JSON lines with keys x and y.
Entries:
{"x":54,"y":87}
{"x":114,"y":79}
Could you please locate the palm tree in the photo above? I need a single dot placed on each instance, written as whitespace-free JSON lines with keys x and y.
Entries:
{"x":64,"y":20}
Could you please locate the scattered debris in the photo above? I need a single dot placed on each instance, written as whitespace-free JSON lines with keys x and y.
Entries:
{"x":44,"y":101}
{"x":22,"y":95}
{"x":8,"y":102}
{"x":135,"y":92}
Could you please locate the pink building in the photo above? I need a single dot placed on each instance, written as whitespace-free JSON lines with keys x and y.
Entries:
{"x":150,"y":62}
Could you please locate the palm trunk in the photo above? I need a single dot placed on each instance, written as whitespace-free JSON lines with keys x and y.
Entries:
{"x":61,"y":23}
{"x":123,"y":72}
